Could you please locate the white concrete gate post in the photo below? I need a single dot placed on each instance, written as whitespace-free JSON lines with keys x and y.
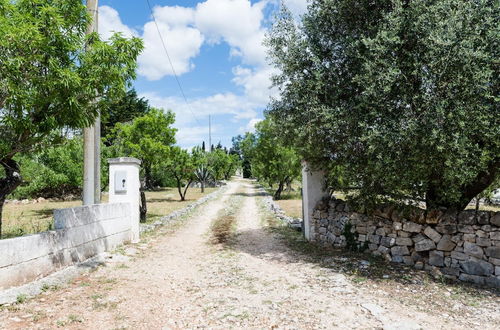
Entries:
{"x":124,"y":187}
{"x":313,"y":190}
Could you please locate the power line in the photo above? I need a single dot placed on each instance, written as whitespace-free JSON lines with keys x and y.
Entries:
{"x":171,"y":65}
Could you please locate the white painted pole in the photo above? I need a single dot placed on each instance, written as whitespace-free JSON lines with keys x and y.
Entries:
{"x":89,"y":133}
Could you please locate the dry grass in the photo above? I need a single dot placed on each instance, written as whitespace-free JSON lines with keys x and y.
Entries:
{"x":292,"y":207}
{"x":22,"y":219}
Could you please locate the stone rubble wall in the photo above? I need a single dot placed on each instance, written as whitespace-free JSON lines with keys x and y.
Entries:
{"x":463,"y":246}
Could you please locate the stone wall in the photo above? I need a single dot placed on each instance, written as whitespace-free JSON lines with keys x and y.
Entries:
{"x":81,"y":233}
{"x":464,"y":246}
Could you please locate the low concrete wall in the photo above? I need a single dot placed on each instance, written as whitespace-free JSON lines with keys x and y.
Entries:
{"x":463,"y":246}
{"x":80,"y":233}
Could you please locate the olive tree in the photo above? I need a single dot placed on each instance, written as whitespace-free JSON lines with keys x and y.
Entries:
{"x":401,"y":98}
{"x":52,"y":76}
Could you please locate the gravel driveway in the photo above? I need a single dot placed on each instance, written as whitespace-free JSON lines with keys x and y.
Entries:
{"x":178,"y":278}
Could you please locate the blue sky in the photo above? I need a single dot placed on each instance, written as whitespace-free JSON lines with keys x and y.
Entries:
{"x":216,"y":49}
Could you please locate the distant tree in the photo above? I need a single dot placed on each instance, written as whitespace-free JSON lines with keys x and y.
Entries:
{"x":181,"y":166}
{"x":203,"y":146}
{"x":147,"y":138}
{"x":401,"y":96}
{"x":123,"y":110}
{"x":247,"y":147}
{"x":272,"y":161}
{"x":52,"y":76}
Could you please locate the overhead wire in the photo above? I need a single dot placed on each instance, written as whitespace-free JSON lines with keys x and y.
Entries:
{"x":171,"y":65}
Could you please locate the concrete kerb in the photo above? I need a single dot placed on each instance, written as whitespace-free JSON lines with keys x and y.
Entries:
{"x":272,"y":206}
{"x":165,"y":220}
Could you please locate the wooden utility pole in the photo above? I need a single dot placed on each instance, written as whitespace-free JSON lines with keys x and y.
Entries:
{"x":91,"y":138}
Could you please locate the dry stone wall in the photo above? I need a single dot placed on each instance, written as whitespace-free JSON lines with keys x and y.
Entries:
{"x":463,"y":246}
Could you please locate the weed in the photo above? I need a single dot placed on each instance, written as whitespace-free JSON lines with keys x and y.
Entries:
{"x":74,"y":319}
{"x":21,"y":298}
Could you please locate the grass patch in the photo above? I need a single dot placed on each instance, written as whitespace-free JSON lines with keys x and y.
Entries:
{"x":222,"y":229}
{"x":31,"y":218}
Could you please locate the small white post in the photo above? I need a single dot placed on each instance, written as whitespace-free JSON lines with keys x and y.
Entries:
{"x":313,"y":190}
{"x":124,"y":187}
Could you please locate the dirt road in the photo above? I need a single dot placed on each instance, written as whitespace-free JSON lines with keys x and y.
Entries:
{"x":182,"y":277}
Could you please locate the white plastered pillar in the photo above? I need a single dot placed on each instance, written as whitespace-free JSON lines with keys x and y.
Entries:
{"x":124,"y":187}
{"x":313,"y":190}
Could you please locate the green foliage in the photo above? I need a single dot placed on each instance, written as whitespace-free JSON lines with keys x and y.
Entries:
{"x":399,"y":98}
{"x":243,"y":146}
{"x":272,"y":161}
{"x":123,"y":110}
{"x":147,"y":138}
{"x":52,"y":74}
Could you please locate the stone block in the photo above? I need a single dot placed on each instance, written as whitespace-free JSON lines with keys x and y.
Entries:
{"x":400,"y":251}
{"x":419,"y":265}
{"x":406,"y":241}
{"x":397,"y":225}
{"x":322,"y":230}
{"x":397,"y":258}
{"x":450,"y":271}
{"x":467,"y":217}
{"x":380,"y":231}
{"x":485,"y":242}
{"x":472,"y":249}
{"x":471,"y":238}
{"x":372,"y":247}
{"x":383,"y":250}
{"x":447,"y":261}
{"x":361,"y":229}
{"x":494,"y":261}
{"x":447,"y":229}
{"x":467,"y":229}
{"x":432,"y":234}
{"x":483,"y":217}
{"x":497,"y":270}
{"x":495,"y":219}
{"x":418,"y":238}
{"x":370,"y":229}
{"x":458,"y":238}
{"x":436,"y":258}
{"x":481,"y":233}
{"x":362,"y":238}
{"x":458,"y":255}
{"x":404,"y":234}
{"x":425,"y":245}
{"x":495,"y":235}
{"x":477,"y":267}
{"x":408,"y":260}
{"x":493,"y":252}
{"x":493,"y":281}
{"x":446,"y":244}
{"x":375,"y":239}
{"x":472,"y":279}
{"x":387,"y":241}
{"x":412,"y":227}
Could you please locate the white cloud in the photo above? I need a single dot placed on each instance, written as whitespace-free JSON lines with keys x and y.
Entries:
{"x":256,"y":82}
{"x":183,"y":43}
{"x":236,"y":22}
{"x":297,"y":7}
{"x":110,"y":22}
{"x":191,"y":127}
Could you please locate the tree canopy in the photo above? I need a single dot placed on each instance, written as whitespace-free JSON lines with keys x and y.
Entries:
{"x":399,"y":98}
{"x":147,"y":138}
{"x":53,"y":76}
